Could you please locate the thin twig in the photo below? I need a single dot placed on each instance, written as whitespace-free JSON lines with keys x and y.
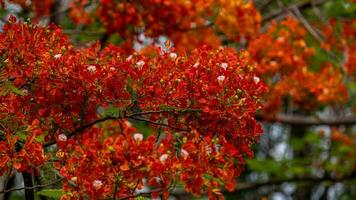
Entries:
{"x":31,"y":188}
{"x":317,"y":12}
{"x":312,"y":179}
{"x":163,"y":111}
{"x":307,"y":25}
{"x":82,"y":128}
{"x":158,"y":124}
{"x":132,"y":116}
{"x":307,"y":120}
{"x":265,"y":5}
{"x":83,"y":32}
{"x":299,"y":5}
{"x":144,"y":194}
{"x":3,"y":127}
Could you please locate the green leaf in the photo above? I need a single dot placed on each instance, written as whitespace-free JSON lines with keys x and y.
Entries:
{"x":141,"y":198}
{"x":312,"y":138}
{"x":22,"y":135}
{"x":40,"y":138}
{"x":7,"y":86}
{"x":143,"y":128}
{"x":113,"y":112}
{"x":51,"y":193}
{"x":16,"y":196}
{"x":297,"y":170}
{"x":268,"y":166}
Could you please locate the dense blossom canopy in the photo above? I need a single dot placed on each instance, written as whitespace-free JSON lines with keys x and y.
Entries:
{"x":113,"y":119}
{"x":206,"y":98}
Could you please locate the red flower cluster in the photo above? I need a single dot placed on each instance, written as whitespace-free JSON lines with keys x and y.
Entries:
{"x":125,"y":163}
{"x":51,"y":91}
{"x":179,"y":20}
{"x":342,"y":37}
{"x":283,"y":58}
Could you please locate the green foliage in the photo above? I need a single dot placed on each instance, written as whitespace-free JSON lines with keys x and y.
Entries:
{"x":265,"y":166}
{"x":51,"y":193}
{"x":340,"y":8}
{"x":7,"y":87}
{"x":112,"y":111}
{"x":15,"y":196}
{"x":141,"y":198}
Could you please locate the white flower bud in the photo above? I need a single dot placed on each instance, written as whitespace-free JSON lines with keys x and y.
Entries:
{"x":128,"y":124}
{"x":74,"y":179}
{"x":223,"y":65}
{"x":57,"y":56}
{"x":256,"y":79}
{"x":129,"y":58}
{"x":62,"y":137}
{"x":208,"y":150}
{"x":25,"y":91}
{"x":140,"y":64}
{"x":91,"y":68}
{"x":184,"y":153}
{"x":221,"y":79}
{"x":138,"y":137}
{"x":163,"y":158}
{"x":97,"y":184}
{"x":173,"y":56}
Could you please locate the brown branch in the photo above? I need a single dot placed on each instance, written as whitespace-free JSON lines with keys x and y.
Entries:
{"x":144,"y":194}
{"x":163,"y":111}
{"x":131,"y":116}
{"x":307,"y":25}
{"x":158,"y":124}
{"x":3,"y":127}
{"x":83,"y":32}
{"x":307,"y":120}
{"x":80,"y":129}
{"x":310,"y":179}
{"x":300,"y":6}
{"x":318,"y":13}
{"x":265,"y":5}
{"x":31,"y":188}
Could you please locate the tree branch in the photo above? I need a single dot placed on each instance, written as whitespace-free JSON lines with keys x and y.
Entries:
{"x":307,"y":120}
{"x":157,"y":123}
{"x":131,"y":116}
{"x":300,"y":5}
{"x":163,"y":111}
{"x":310,"y":179}
{"x":31,"y":188}
{"x":28,"y":182}
{"x":82,"y":128}
{"x":264,"y":5}
{"x":144,"y":194}
{"x":307,"y":25}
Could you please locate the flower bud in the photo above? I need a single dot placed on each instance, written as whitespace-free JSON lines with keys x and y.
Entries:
{"x":138,"y":137}
{"x":173,"y":56}
{"x":221,"y":79}
{"x":91,"y":68}
{"x":140,"y":64}
{"x":97,"y":184}
{"x":57,"y":56}
{"x":223,"y":65}
{"x":62,"y":138}
{"x":184,"y":153}
{"x":163,"y":158}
